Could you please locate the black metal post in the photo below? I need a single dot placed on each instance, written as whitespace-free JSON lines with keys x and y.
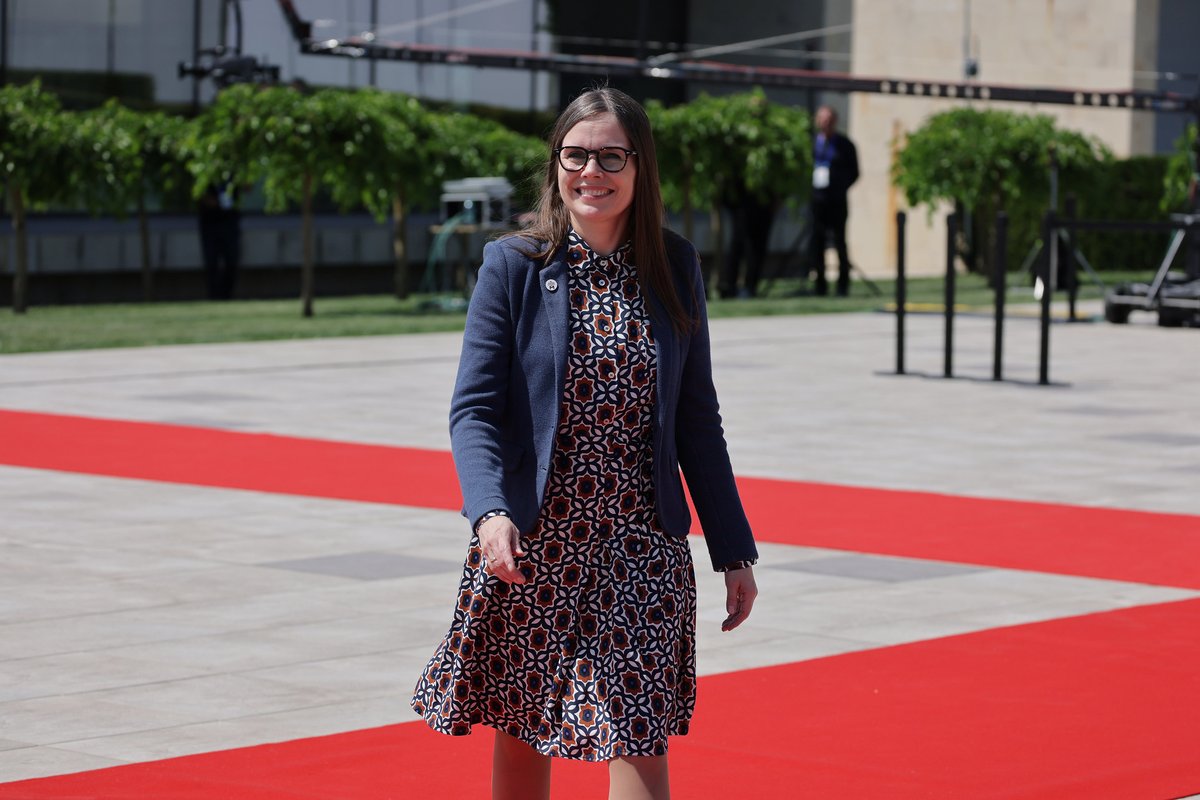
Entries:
{"x":110,"y":58}
{"x":3,"y":42}
{"x":1048,"y":268}
{"x":236,"y":5}
{"x":901,"y":291}
{"x":533,"y":46}
{"x":1000,"y":286}
{"x":951,"y":237}
{"x":197,"y":17}
{"x":373,"y":78}
{"x":1068,"y":276}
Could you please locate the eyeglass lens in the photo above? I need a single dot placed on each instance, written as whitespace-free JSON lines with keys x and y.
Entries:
{"x":610,"y":159}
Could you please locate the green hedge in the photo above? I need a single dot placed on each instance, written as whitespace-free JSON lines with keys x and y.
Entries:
{"x":1128,"y":189}
{"x":80,"y":89}
{"x":529,"y":123}
{"x":1120,"y":189}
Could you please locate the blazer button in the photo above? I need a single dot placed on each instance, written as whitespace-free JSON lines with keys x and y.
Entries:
{"x":552,"y":285}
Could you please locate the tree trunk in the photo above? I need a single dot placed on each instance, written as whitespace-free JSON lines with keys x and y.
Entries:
{"x":144,"y":235}
{"x":307,"y":267}
{"x":400,"y":243}
{"x":21,"y":267}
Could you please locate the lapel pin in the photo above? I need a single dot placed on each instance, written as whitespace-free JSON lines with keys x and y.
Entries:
{"x":552,"y":285}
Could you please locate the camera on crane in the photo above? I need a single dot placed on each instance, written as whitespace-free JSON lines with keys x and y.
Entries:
{"x":227,"y":67}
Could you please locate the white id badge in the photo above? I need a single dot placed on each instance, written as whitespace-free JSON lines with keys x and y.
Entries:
{"x":820,"y":177}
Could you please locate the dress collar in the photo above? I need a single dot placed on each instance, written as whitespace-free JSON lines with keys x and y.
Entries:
{"x":582,"y":258}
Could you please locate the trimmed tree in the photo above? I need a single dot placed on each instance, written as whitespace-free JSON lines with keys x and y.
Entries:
{"x":471,"y":146}
{"x":403,"y":168}
{"x":119,"y":158}
{"x":713,"y":146}
{"x":161,"y":141}
{"x":983,"y":160}
{"x":31,"y":146}
{"x":426,"y":148}
{"x":1183,"y":169}
{"x":298,"y":145}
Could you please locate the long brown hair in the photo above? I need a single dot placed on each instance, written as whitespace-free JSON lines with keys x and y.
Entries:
{"x":548,"y":230}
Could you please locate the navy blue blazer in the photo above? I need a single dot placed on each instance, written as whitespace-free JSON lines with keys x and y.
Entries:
{"x":504,"y":414}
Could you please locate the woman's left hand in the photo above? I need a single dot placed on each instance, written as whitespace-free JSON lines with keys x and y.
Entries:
{"x":740,"y":592}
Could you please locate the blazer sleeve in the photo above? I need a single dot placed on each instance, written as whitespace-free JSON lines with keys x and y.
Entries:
{"x":703,"y":452}
{"x":478,"y":407}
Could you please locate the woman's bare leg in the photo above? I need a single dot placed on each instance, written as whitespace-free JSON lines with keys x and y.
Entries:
{"x":639,"y":778}
{"x":518,"y":771}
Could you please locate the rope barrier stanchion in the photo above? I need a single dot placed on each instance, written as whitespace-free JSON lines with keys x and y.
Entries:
{"x":1049,"y":268}
{"x":1000,"y":287}
{"x":951,"y":236}
{"x":901,"y":291}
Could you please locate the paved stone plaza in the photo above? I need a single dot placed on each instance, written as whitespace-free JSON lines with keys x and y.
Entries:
{"x":140,"y":620}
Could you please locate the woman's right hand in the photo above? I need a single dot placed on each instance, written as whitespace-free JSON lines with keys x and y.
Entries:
{"x":500,"y":542}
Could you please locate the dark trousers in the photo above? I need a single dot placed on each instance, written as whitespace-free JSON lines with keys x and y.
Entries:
{"x":220,"y":242}
{"x":750,"y":235}
{"x":829,"y":222}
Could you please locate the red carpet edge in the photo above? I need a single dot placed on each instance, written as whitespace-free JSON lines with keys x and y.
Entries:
{"x":1137,"y":546}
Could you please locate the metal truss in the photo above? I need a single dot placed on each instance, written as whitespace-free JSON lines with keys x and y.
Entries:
{"x":367,"y":46}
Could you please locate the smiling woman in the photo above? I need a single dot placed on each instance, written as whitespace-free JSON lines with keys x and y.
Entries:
{"x":584,"y":387}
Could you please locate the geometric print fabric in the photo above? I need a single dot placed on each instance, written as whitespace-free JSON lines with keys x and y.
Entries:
{"x":594,"y":656}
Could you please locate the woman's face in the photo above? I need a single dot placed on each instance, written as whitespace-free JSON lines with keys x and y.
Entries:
{"x":598,"y":201}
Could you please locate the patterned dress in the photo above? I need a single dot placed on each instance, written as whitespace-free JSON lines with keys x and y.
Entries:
{"x":594,"y":657}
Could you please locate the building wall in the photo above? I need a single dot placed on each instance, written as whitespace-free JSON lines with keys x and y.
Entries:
{"x":133,"y":36}
{"x":1178,"y":53}
{"x":1067,"y":43}
{"x":153,"y":36}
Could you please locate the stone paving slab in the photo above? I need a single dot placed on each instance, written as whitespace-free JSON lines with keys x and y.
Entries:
{"x":141,"y":620}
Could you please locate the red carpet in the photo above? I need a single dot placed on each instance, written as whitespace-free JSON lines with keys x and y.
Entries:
{"x":261,"y":462}
{"x":1102,"y":706}
{"x":1136,"y":546}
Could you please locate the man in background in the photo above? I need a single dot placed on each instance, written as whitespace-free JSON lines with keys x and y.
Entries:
{"x":220,"y":240}
{"x":835,"y":169}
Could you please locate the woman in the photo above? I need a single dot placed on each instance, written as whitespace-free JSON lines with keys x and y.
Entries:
{"x":584,"y":385}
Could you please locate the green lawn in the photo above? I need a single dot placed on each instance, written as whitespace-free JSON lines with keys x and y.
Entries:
{"x":140,"y":324}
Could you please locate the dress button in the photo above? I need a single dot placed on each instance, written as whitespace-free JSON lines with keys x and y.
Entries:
{"x":552,"y":285}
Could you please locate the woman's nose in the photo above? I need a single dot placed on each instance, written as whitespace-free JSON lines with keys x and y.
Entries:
{"x":592,"y":165}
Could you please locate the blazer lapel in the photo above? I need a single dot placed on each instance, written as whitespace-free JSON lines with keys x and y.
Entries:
{"x":556,"y":301}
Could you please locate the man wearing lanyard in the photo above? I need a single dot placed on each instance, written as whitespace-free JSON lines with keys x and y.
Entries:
{"x":835,"y":169}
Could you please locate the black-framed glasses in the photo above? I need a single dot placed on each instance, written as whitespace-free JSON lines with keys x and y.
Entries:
{"x":610,"y":159}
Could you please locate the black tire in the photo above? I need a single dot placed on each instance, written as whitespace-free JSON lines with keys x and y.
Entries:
{"x":1116,"y":314}
{"x":1171,"y":317}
